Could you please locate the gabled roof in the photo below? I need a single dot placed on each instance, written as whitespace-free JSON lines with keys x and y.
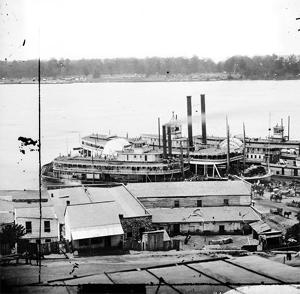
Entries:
{"x":204,"y":214}
{"x":189,"y":189}
{"x":131,"y":207}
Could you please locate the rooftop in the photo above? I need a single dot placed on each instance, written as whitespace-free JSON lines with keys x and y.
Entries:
{"x":189,"y":189}
{"x":127,"y":204}
{"x":24,"y":195}
{"x":34,"y":212}
{"x":6,"y":210}
{"x":93,"y":214}
{"x":217,"y":275}
{"x":204,"y":214}
{"x":260,"y":227}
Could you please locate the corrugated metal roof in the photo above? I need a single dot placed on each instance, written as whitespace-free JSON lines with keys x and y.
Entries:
{"x":98,"y":231}
{"x":203,"y":214}
{"x":189,"y":189}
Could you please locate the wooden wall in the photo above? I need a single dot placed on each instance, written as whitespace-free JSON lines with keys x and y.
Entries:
{"x":207,"y":201}
{"x":35,"y":225}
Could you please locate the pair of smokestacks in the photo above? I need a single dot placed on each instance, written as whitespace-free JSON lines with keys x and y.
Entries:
{"x":190,"y":122}
{"x":190,"y":128}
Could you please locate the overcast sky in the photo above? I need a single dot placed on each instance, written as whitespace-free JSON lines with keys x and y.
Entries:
{"x":215,"y":29}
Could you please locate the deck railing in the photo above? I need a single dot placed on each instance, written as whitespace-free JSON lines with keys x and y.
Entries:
{"x":120,"y":171}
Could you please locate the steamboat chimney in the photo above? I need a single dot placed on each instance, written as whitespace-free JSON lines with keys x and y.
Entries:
{"x":164,"y":142}
{"x":190,"y":123}
{"x":203,"y":119}
{"x":169,"y":142}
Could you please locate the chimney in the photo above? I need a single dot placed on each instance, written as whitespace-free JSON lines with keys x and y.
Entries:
{"x":190,"y":126}
{"x":169,"y":141}
{"x":159,"y":133}
{"x":203,"y":118}
{"x":164,"y":142}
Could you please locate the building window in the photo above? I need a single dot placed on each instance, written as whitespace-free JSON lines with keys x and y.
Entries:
{"x":176,"y":203}
{"x":199,"y":203}
{"x":48,"y":240}
{"x":28,"y":227}
{"x":84,"y":242}
{"x":226,"y":202}
{"x":47,"y":227}
{"x":129,"y":232}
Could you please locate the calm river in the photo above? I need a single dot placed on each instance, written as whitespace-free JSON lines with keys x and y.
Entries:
{"x":71,"y":111}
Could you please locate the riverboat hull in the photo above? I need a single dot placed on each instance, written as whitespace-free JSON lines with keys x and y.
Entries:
{"x":110,"y":173}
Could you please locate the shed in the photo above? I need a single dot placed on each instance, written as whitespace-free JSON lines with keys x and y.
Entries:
{"x":155,"y":240}
{"x":270,"y":239}
{"x":259,"y":227}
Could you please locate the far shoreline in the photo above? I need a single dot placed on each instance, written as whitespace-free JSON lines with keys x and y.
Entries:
{"x":134,"y":78}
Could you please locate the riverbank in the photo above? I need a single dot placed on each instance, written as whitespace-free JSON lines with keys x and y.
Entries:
{"x":136,"y":78}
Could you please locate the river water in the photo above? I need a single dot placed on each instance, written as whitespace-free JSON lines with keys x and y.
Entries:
{"x":70,"y":111}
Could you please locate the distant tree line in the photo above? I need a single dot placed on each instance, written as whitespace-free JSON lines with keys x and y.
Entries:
{"x":258,"y":67}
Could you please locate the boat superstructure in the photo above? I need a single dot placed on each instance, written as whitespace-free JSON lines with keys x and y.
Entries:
{"x":120,"y":161}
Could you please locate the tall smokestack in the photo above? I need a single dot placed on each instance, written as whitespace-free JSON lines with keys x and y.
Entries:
{"x":159,"y":133}
{"x":288,"y":128}
{"x":203,"y":118}
{"x":164,"y":142}
{"x":190,"y":126}
{"x":169,"y":141}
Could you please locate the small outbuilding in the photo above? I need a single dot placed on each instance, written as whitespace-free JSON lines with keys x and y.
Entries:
{"x":259,"y":228}
{"x":156,"y":240}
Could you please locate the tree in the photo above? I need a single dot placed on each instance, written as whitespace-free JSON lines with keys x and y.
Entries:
{"x":12,"y":233}
{"x":294,"y":231}
{"x":96,"y":73}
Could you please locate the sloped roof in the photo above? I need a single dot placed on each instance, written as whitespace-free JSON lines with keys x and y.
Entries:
{"x":18,"y":195}
{"x":131,"y":207}
{"x":34,"y":212}
{"x":220,"y":275}
{"x":260,"y":227}
{"x":93,"y":214}
{"x":6,"y":210}
{"x":6,"y":204}
{"x":97,"y":231}
{"x":204,"y":214}
{"x":189,"y":189}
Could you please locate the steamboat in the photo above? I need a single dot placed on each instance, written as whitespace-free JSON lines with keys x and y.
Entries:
{"x":120,"y":161}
